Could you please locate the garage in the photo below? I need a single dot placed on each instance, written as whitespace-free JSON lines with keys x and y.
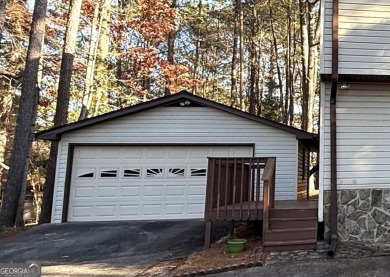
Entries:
{"x":142,"y":182}
{"x":149,"y":161}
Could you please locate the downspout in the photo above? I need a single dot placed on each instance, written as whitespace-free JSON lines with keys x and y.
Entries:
{"x":333,"y":129}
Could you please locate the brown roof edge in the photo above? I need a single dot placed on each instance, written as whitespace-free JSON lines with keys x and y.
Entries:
{"x":56,"y":132}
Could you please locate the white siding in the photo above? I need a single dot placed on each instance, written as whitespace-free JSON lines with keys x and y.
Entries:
{"x":363,"y":137}
{"x":190,"y":125}
{"x":326,"y":38}
{"x":364,"y":36}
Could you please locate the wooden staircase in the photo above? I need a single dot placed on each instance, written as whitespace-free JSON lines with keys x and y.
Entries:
{"x":291,"y":229}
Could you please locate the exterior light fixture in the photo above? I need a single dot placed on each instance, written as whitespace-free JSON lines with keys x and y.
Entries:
{"x":185,"y":103}
{"x":345,"y":86}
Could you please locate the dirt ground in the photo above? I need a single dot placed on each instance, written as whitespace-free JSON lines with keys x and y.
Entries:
{"x":217,"y":256}
{"x":8,"y":232}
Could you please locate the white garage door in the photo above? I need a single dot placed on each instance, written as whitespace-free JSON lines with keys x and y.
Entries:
{"x":146,"y":182}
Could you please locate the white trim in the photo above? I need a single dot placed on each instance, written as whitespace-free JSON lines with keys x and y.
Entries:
{"x":53,"y":206}
{"x":322,"y":154}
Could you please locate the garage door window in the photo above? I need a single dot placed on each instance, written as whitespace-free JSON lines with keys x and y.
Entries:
{"x":86,"y":175}
{"x":176,"y":172}
{"x":154,"y":173}
{"x":198,"y":172}
{"x":132,"y":173}
{"x":112,"y":173}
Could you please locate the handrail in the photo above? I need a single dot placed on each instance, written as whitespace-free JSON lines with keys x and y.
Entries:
{"x":233,"y":183}
{"x":268,"y":191}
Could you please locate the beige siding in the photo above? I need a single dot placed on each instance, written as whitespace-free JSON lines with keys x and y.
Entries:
{"x":197,"y":125}
{"x":364,"y":36}
{"x":363,"y":137}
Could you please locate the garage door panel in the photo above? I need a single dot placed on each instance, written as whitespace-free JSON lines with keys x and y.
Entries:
{"x":102,"y":210}
{"x":154,"y":154}
{"x":196,"y":209}
{"x":107,"y":153}
{"x":130,"y":191}
{"x":107,"y":192}
{"x":83,"y":192}
{"x":131,"y":153}
{"x":125,"y":183}
{"x":86,"y":153}
{"x":174,"y":209}
{"x":196,"y":190}
{"x":151,"y":209}
{"x":174,"y":191}
{"x":153,"y":191}
{"x":129,"y":211}
{"x":82,"y":212}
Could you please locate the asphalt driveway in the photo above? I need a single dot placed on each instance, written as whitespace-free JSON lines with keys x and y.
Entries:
{"x":137,"y":244}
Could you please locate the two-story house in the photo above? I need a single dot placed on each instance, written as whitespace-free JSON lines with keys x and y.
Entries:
{"x":355,"y":120}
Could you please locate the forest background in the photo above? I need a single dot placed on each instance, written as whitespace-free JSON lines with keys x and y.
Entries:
{"x":260,"y":56}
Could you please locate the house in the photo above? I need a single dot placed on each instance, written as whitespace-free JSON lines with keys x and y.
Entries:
{"x":150,"y":161}
{"x":355,"y":120}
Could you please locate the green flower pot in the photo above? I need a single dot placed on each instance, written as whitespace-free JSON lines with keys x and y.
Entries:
{"x":236,"y":245}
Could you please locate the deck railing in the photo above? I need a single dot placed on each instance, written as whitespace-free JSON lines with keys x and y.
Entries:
{"x":234,"y":188}
{"x":268,"y":179}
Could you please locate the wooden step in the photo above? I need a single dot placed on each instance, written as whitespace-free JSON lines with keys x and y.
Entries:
{"x":307,"y":244}
{"x":293,"y":223}
{"x":285,"y":235}
{"x":293,"y":213}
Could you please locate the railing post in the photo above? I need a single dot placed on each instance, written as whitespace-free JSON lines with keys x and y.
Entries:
{"x":265,"y":207}
{"x":272,"y":202}
{"x":268,"y":192}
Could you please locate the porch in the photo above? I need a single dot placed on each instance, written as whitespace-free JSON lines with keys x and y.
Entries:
{"x":243,"y":189}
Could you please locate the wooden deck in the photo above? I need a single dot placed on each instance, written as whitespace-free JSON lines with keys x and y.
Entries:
{"x":253,"y":210}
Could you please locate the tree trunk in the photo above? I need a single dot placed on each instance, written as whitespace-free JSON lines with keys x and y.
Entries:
{"x":103,"y":49}
{"x":87,"y":96}
{"x":305,"y":61}
{"x":197,"y":46}
{"x":3,"y":5}
{"x":241,"y":49}
{"x":313,"y":43}
{"x":171,"y":50}
{"x":16,"y":183}
{"x":289,"y":83}
{"x":233,"y":71}
{"x":275,"y":49}
{"x":62,"y":104}
{"x":253,"y":64}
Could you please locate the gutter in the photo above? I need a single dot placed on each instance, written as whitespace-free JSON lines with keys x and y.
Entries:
{"x":333,"y":129}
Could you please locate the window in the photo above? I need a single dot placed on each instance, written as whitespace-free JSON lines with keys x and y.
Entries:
{"x":86,"y":175}
{"x":132,"y":173}
{"x":176,"y":172}
{"x":112,"y":173}
{"x":198,"y":172}
{"x":154,"y":172}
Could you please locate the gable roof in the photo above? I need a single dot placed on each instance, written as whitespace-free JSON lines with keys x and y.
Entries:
{"x":55,"y":133}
